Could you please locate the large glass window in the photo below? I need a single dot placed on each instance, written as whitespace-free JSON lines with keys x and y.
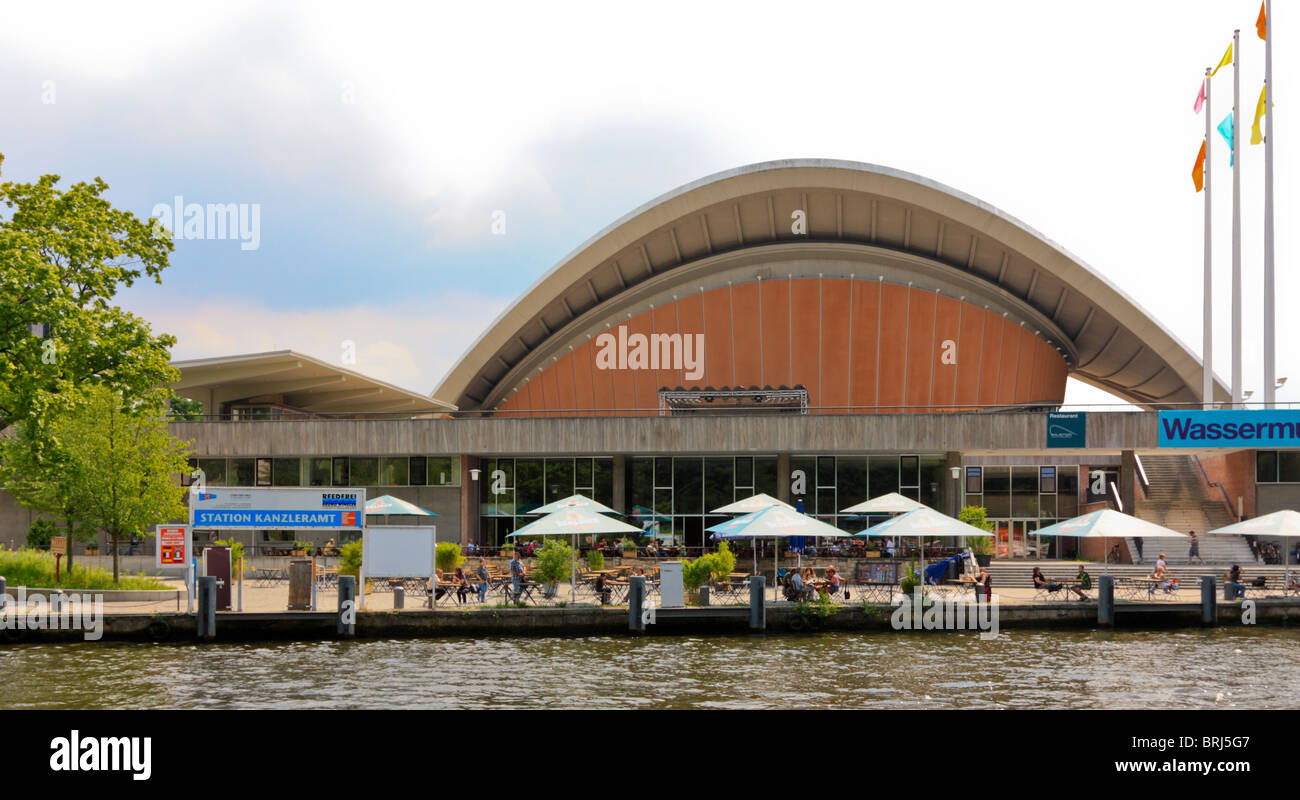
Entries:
{"x":688,"y":486}
{"x":419,"y":471}
{"x":883,"y":475}
{"x":529,"y":475}
{"x":851,"y":480}
{"x":214,"y":471}
{"x":318,"y":472}
{"x":365,"y":471}
{"x":394,"y":471}
{"x":342,"y":475}
{"x":997,"y":491}
{"x":286,"y":471}
{"x":1288,"y":466}
{"x":241,"y":472}
{"x":559,"y":478}
{"x":444,"y":470}
{"x":719,"y":482}
{"x":974,"y":480}
{"x":263,"y":472}
{"x":1266,"y":466}
{"x":765,"y":477}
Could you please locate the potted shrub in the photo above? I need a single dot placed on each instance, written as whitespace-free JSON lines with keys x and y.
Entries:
{"x":350,"y":559}
{"x":302,"y":548}
{"x":554,"y":561}
{"x":446,"y":557}
{"x":629,"y":547}
{"x":92,"y":548}
{"x":508,"y":548}
{"x":981,"y":546}
{"x":595,"y":560}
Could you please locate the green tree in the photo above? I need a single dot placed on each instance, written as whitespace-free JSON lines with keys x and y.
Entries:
{"x":32,"y":469}
{"x":977,"y":516}
{"x":63,"y":256}
{"x":121,"y":465}
{"x":183,"y":408}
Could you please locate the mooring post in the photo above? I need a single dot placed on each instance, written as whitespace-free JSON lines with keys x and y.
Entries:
{"x":399,"y":598}
{"x":1209,"y":601}
{"x":757,"y":608}
{"x":636,"y":603}
{"x":347,"y":614}
{"x":704,"y":595}
{"x":1106,"y":600}
{"x":207,"y":622}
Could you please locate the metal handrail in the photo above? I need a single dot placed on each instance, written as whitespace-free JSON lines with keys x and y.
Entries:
{"x":1227,"y":503}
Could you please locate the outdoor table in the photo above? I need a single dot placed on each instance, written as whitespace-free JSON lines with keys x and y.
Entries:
{"x":876,"y":591}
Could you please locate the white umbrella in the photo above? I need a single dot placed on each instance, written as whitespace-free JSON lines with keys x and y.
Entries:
{"x":749,"y":505}
{"x":572,"y":521}
{"x":922,"y":522}
{"x":773,"y":522}
{"x":1284,"y":523}
{"x":891,"y":503}
{"x":1109,"y":524}
{"x":574,"y":501}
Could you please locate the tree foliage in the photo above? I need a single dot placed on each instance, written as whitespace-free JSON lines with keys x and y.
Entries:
{"x":554,"y":561}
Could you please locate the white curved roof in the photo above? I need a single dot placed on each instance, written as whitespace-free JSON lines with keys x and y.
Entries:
{"x":1108,"y":340}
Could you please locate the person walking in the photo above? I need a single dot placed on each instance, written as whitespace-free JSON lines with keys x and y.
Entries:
{"x":516,"y":574}
{"x":1194,"y":548}
{"x":483,"y":580}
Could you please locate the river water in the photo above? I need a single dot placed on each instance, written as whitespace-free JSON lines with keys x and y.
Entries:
{"x":1224,"y":668}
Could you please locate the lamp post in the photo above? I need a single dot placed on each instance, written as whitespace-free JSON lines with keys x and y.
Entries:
{"x":473,"y":477}
{"x":956,"y":491}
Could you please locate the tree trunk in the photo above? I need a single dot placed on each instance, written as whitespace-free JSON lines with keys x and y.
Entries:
{"x":115,"y":572}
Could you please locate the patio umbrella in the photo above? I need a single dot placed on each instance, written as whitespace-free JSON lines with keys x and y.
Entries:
{"x":773,"y":522}
{"x":1284,"y":523}
{"x":749,"y":505}
{"x":1108,"y":524}
{"x":386,"y":505}
{"x":922,"y":522}
{"x":890,"y":503}
{"x":574,"y":501}
{"x":574,"y":521}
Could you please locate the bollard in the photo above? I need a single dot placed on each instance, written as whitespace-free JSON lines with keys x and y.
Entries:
{"x":704,"y":595}
{"x":636,"y":603}
{"x":1209,"y":605}
{"x":757,"y":608}
{"x":207,"y":621}
{"x":347,"y":618}
{"x":399,"y":598}
{"x":1106,"y":600}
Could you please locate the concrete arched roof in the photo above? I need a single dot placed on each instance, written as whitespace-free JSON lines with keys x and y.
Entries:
{"x":860,"y":210}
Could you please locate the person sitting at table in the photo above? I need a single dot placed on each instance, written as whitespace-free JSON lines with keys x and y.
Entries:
{"x":1233,"y":581}
{"x":460,"y":581}
{"x":651,"y":551}
{"x":794,"y":587}
{"x":436,"y":587}
{"x":602,"y":589}
{"x":1085,"y":582}
{"x":833,"y":580}
{"x":983,"y":582}
{"x":1043,"y":582}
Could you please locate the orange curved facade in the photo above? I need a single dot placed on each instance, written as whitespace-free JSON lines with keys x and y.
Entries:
{"x":856,"y":346}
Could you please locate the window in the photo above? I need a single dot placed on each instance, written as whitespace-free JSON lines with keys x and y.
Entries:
{"x":342,"y":475}
{"x":263,"y":472}
{"x":1047,"y":480}
{"x":974,"y":480}
{"x":1288,"y":466}
{"x":319,"y":472}
{"x":394,"y":471}
{"x":214,"y":471}
{"x":1266,"y":466}
{"x":445,"y":471}
{"x":419,"y":470}
{"x":286,"y":471}
{"x":365,"y":471}
{"x":241,"y":472}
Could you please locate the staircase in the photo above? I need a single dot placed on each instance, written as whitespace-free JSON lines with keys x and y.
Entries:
{"x":1178,"y":498}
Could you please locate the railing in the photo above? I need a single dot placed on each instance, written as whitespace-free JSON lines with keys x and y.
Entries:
{"x":1227,"y":503}
{"x":1143,"y":483}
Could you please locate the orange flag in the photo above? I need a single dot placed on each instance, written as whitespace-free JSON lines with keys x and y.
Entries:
{"x":1198,"y":171}
{"x":1261,"y":24}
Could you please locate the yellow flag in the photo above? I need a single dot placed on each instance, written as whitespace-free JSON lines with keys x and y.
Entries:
{"x":1227,"y":59}
{"x":1260,"y":108}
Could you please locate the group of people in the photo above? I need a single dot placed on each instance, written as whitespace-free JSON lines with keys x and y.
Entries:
{"x":1082,"y":583}
{"x":463,"y":585}
{"x":801,"y":584}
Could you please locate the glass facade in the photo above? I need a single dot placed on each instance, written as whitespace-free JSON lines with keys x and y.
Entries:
{"x":510,"y":488}
{"x":331,"y":471}
{"x":1277,"y":466}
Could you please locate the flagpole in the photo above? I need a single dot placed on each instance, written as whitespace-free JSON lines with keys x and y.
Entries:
{"x":1270,"y":384}
{"x":1207,"y":289}
{"x":1236,"y":219}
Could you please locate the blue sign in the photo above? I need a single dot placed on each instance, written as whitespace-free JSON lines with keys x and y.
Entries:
{"x":1278,"y":427}
{"x":1067,"y":429}
{"x":273,"y":518}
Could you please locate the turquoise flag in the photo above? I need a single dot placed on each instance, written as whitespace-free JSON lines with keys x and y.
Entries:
{"x":1225,"y":130}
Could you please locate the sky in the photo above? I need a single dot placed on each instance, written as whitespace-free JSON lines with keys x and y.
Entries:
{"x":378,"y":142}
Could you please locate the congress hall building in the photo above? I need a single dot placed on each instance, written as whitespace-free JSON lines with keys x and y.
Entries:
{"x":823,"y":331}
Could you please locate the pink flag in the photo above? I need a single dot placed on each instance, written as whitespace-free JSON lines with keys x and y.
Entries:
{"x":1200,"y":99}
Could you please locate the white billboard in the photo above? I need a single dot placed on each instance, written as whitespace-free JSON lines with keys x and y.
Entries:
{"x":245,"y":507}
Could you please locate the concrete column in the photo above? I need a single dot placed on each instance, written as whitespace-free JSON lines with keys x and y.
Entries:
{"x":951,"y":459}
{"x":1127,"y":479}
{"x":469,"y":501}
{"x":621,"y":467}
{"x":635,"y":603}
{"x":757,"y":608}
{"x":1209,"y":602}
{"x":1106,"y":600}
{"x":347,"y":613}
{"x":783,"y":477}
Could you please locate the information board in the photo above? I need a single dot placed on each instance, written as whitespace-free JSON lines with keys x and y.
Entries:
{"x":875,"y":572}
{"x":171,"y":546}
{"x":243,"y":507}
